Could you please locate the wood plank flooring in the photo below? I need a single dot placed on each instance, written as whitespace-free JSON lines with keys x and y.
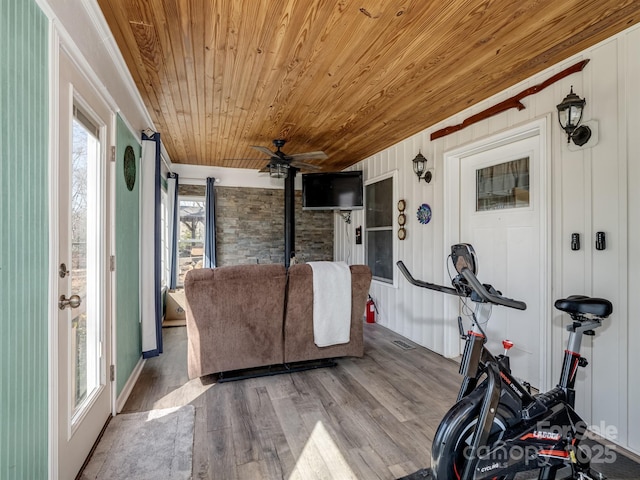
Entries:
{"x":368,"y":418}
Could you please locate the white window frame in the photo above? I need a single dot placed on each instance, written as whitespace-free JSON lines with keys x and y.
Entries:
{"x":393,"y":174}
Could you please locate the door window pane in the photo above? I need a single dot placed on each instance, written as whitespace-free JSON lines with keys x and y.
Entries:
{"x":501,"y":186}
{"x":85,"y":261}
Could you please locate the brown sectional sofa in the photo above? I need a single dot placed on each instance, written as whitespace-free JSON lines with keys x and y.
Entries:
{"x":247,"y":316}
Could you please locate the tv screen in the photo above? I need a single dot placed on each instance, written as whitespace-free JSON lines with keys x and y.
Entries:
{"x":332,"y":191}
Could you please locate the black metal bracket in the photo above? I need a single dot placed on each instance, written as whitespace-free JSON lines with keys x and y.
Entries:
{"x":244,"y":374}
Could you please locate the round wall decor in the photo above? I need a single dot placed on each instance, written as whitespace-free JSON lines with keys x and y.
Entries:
{"x":129,"y":167}
{"x":402,"y":219}
{"x":424,"y":214}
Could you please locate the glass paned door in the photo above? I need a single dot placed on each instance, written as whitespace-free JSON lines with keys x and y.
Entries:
{"x":82,"y":294}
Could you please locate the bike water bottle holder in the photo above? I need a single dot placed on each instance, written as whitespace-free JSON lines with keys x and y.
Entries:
{"x":471,"y":355}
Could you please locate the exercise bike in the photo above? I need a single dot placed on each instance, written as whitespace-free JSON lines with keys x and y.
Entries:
{"x":497,"y":428}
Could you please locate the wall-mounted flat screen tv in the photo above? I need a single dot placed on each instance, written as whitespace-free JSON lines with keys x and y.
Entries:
{"x":332,"y":191}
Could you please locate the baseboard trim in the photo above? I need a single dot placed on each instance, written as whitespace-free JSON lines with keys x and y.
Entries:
{"x":128,"y":387}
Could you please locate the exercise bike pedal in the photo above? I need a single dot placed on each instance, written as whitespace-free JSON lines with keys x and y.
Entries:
{"x":590,"y":475}
{"x":422,"y":474}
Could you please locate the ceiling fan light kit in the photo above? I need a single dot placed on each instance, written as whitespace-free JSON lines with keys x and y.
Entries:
{"x":280,"y":162}
{"x":278,"y":170}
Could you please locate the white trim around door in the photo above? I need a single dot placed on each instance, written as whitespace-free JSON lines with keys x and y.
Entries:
{"x":452,"y":228}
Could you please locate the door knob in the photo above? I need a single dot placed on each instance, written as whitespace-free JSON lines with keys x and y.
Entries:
{"x":73,"y":301}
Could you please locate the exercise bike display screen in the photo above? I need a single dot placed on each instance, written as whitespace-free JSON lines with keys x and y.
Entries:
{"x":464,"y":256}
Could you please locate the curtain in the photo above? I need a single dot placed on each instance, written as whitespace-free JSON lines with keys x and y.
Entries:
{"x":210,"y":225}
{"x":150,"y":254}
{"x":173,"y":219}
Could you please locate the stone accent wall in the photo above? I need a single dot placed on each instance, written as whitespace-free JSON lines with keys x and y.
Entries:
{"x":250,"y":228}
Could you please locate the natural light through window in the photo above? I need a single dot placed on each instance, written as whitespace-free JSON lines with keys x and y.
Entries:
{"x":321,"y":458}
{"x":85,"y":247}
{"x":191,"y":235}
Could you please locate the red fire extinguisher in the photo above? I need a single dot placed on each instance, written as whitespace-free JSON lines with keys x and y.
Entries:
{"x":371,"y":310}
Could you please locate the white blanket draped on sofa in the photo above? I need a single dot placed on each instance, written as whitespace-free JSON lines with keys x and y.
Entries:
{"x":331,"y":303}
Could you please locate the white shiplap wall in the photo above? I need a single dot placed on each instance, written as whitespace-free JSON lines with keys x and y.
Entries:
{"x":631,"y":116}
{"x":593,"y":189}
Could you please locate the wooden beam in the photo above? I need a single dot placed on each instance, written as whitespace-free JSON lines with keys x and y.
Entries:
{"x":513,"y":102}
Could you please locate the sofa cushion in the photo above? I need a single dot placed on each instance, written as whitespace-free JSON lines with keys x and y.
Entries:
{"x":298,"y":324}
{"x":234,"y":317}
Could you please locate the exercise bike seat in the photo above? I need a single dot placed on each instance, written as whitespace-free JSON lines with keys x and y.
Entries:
{"x":583,"y":305}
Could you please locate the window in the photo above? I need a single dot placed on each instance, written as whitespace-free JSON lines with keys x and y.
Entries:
{"x":191,"y":235}
{"x":501,"y":186}
{"x":86,"y":322}
{"x":379,"y":228}
{"x":164,"y":241}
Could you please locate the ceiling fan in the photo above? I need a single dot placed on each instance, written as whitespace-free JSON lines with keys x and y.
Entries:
{"x":279,"y":162}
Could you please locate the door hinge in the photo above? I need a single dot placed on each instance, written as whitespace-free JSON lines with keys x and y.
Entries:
{"x":113,"y":153}
{"x":112,"y":263}
{"x":112,"y":373}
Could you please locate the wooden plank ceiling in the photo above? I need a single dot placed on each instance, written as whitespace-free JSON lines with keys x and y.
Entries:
{"x":347,"y":77}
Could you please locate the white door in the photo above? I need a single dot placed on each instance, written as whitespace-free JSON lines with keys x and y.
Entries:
{"x":83,"y":288}
{"x":500,"y":215}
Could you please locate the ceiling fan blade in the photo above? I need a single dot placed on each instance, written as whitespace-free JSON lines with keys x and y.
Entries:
{"x":305,"y":166}
{"x":308,"y":156}
{"x":265,"y":169}
{"x":264,"y":150}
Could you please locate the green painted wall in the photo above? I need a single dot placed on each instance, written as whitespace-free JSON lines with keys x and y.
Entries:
{"x":128,"y":335}
{"x":24,"y":259}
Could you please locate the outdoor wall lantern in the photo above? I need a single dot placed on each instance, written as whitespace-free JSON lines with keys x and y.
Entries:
{"x":278,"y":170}
{"x":420,"y":168}
{"x":569,"y":115}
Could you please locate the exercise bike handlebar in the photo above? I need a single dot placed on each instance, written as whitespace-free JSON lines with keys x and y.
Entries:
{"x":420,"y":283}
{"x":473,"y":283}
{"x":485,"y":295}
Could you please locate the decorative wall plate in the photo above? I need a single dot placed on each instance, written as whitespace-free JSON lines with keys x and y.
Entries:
{"x":402,"y":219}
{"x":424,"y":214}
{"x":129,"y":167}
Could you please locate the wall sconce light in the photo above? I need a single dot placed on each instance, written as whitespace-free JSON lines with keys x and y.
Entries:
{"x":569,"y":115}
{"x":278,"y":170}
{"x":420,"y":168}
